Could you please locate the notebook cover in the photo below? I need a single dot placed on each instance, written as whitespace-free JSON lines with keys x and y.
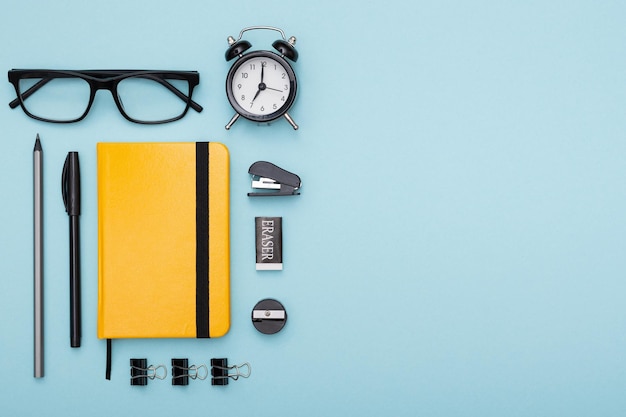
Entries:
{"x":163,"y":240}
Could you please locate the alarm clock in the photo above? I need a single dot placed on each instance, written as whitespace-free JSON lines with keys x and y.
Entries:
{"x":261,"y":85}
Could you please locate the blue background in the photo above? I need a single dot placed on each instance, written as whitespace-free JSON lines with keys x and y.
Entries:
{"x":458,"y":247}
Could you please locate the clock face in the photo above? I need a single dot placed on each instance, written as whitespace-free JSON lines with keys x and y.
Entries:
{"x":261,"y":86}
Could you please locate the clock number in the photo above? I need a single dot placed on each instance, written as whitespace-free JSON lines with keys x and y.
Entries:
{"x":244,"y":75}
{"x":252,"y":67}
{"x":239,"y":86}
{"x":243,"y":98}
{"x":284,"y":75}
{"x":274,"y":106}
{"x":283,"y":98}
{"x":264,"y":63}
{"x":286,"y":87}
{"x":262,"y":108}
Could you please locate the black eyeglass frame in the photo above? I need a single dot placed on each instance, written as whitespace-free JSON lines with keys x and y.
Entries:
{"x":104,"y":80}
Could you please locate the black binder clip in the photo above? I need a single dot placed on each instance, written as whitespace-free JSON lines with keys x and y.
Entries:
{"x":267,"y":176}
{"x":181,"y":372}
{"x":220,"y":371}
{"x":140,"y":372}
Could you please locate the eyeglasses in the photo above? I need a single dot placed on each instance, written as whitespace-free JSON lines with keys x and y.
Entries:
{"x":146,"y":97}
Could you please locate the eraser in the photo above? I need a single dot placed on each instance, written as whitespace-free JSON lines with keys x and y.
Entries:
{"x":269,"y":243}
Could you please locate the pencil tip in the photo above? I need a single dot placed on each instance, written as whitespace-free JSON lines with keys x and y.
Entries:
{"x":37,"y":143}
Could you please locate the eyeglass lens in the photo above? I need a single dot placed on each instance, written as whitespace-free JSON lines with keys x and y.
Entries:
{"x":57,"y":99}
{"x":152,"y":99}
{"x":144,"y":98}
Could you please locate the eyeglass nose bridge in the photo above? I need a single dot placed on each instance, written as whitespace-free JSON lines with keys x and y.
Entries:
{"x":111,"y":86}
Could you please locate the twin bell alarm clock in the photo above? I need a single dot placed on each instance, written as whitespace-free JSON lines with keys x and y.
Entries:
{"x":261,"y":85}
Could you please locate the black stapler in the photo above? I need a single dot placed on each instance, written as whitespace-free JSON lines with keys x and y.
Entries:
{"x":268,"y":176}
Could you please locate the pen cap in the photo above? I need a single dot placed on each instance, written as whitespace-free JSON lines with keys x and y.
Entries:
{"x":70,"y":184}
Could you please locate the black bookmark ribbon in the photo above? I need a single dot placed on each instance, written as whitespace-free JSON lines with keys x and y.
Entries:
{"x":202,"y":239}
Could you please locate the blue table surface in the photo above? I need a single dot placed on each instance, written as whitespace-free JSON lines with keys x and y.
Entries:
{"x":458,"y":246}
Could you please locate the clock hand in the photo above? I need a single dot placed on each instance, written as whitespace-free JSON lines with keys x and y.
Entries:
{"x":262,"y":69}
{"x":275,"y":89}
{"x":256,"y":95}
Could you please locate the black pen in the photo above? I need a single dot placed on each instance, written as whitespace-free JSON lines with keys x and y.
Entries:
{"x":70,"y":185}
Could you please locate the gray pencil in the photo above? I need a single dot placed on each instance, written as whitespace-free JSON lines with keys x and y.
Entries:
{"x":38,"y":254}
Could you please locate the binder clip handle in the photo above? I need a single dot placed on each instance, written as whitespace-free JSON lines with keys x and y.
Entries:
{"x":239,"y":373}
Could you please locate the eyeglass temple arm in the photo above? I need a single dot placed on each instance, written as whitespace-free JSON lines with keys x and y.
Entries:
{"x":30,"y":92}
{"x":167,"y":85}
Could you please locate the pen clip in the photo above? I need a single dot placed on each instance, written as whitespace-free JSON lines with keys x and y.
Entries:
{"x":64,"y":182}
{"x":70,"y":184}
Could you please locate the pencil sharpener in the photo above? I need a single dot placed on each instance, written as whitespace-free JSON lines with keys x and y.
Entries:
{"x":269,"y":316}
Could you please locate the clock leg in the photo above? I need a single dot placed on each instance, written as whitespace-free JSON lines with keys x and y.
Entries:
{"x":291,"y":122}
{"x":232,"y":121}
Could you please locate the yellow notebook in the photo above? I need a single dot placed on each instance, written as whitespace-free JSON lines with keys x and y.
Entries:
{"x":163,"y":240}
